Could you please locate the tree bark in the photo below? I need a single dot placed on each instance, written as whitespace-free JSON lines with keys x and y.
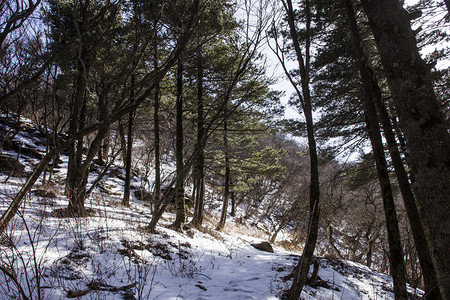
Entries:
{"x":129,"y":148}
{"x":226,"y":190}
{"x":199,"y":168}
{"x":422,"y":123}
{"x":233,"y":201}
{"x":179,"y":187}
{"x":157,"y":191}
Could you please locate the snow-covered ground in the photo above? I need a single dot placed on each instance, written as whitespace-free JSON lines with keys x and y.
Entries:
{"x":111,"y":255}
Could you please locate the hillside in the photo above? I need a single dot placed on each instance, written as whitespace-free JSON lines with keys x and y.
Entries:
{"x":110,"y":255}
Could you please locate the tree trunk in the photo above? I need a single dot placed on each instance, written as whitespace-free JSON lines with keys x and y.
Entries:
{"x":233,"y":202}
{"x":414,"y":218}
{"x":226,"y":190}
{"x":300,"y":277}
{"x":330,"y":241}
{"x":76,"y":181}
{"x":199,"y":168}
{"x":179,"y":186}
{"x":157,"y":191}
{"x":8,"y":215}
{"x":422,"y":123}
{"x":397,"y":266}
{"x":369,"y":252}
{"x":129,"y":148}
{"x":372,"y":89}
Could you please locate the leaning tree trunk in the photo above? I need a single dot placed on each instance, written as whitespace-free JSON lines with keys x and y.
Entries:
{"x":396,"y":262}
{"x":179,"y":186}
{"x":331,"y":242}
{"x":422,"y":123}
{"x":414,"y":218}
{"x":373,"y":94}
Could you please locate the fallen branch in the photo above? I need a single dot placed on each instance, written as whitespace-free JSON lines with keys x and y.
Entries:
{"x":98,"y":286}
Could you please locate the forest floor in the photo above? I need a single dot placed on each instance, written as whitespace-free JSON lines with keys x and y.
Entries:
{"x":111,"y":255}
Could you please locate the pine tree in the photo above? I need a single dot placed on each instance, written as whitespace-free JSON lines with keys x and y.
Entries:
{"x":422,"y":123}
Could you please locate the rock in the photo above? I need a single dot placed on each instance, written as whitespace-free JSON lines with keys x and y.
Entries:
{"x":263,"y":246}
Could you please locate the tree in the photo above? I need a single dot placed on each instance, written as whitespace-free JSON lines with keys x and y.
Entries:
{"x":15,"y":39}
{"x":78,"y":166}
{"x":199,"y":169}
{"x":118,"y":110}
{"x":422,"y":123}
{"x":14,"y":15}
{"x":244,"y":51}
{"x":226,"y":189}
{"x":431,"y":285}
{"x":304,"y":98}
{"x":374,"y":103}
{"x":156,"y":125}
{"x":370,"y":88}
{"x":179,"y":152}
{"x":345,"y":57}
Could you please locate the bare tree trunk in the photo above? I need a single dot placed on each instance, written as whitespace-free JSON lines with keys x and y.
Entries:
{"x":233,"y":202}
{"x":126,"y":191}
{"x":330,"y":241}
{"x":179,"y":187}
{"x":8,"y":215}
{"x":157,"y":191}
{"x":369,"y":252}
{"x":226,"y":192}
{"x":199,"y":168}
{"x":129,"y":148}
{"x":422,"y":123}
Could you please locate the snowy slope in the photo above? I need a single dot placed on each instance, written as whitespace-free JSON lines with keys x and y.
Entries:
{"x":110,"y":255}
